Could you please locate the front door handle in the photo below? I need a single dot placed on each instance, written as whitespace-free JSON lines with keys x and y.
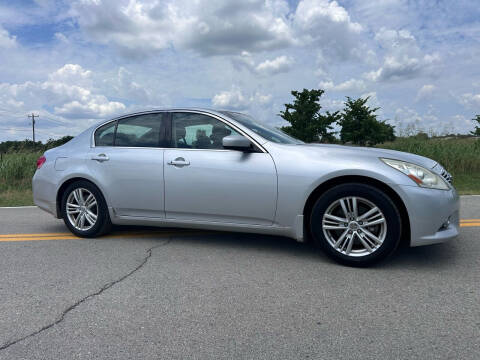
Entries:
{"x":180,"y":162}
{"x":100,"y":157}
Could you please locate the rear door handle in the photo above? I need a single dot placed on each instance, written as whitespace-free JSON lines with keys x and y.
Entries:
{"x":100,"y":157}
{"x":180,"y":162}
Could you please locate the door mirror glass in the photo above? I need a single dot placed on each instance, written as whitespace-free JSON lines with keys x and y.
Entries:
{"x":237,"y":142}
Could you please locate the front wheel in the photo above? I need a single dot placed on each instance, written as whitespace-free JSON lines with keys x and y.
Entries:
{"x":84,"y":210}
{"x":356,"y":224}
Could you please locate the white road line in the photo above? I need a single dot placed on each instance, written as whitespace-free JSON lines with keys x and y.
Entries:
{"x":18,"y":207}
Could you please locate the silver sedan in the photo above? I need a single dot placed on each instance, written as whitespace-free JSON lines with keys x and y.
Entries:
{"x":223,"y":170}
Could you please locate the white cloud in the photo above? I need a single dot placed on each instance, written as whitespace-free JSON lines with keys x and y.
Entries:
{"x":235,"y":99}
{"x":425,"y":92}
{"x":278,"y":65}
{"x":261,"y":99}
{"x":208,"y":27}
{"x":228,"y":27}
{"x":232,"y":99}
{"x":137,"y":54}
{"x":6,"y":40}
{"x":96,"y":106}
{"x":72,"y":74}
{"x":462,"y":123}
{"x":61,"y":38}
{"x":129,"y":88}
{"x":311,"y":12}
{"x":470,"y":100}
{"x":403,"y":57}
{"x":373,"y":101}
{"x":66,"y":95}
{"x":327,"y":25}
{"x":349,"y":85}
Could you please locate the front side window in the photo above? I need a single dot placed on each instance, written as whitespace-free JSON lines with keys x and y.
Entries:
{"x":139,"y":131}
{"x":198,"y":131}
{"x":104,"y":134}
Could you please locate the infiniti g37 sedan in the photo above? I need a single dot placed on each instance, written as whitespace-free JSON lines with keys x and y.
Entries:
{"x":223,"y":170}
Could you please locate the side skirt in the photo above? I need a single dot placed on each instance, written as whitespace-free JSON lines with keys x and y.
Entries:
{"x":207,"y":225}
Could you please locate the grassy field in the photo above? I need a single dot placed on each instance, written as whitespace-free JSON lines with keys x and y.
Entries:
{"x":16,"y":172}
{"x":461,"y":157}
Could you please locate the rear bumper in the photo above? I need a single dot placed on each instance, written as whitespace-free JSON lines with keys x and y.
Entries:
{"x":44,"y":194}
{"x":433,"y":214}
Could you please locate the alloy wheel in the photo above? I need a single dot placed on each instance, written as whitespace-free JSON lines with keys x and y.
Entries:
{"x":354,"y":226}
{"x":82,"y":209}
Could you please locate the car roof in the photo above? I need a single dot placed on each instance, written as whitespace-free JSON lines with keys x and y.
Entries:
{"x":217,"y":112}
{"x":220,"y":113}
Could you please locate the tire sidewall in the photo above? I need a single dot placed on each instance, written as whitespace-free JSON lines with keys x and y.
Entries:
{"x":103,"y":217}
{"x":377,"y":197}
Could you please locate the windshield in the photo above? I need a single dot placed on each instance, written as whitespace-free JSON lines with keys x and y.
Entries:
{"x":267,"y":132}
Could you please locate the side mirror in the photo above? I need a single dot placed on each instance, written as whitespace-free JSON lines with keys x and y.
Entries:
{"x":237,"y":142}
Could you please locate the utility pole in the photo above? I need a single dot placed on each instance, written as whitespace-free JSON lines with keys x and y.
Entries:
{"x":33,"y":126}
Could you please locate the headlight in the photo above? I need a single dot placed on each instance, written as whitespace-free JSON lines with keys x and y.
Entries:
{"x":423,"y":177}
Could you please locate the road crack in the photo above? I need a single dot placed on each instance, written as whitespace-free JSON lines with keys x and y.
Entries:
{"x":88,"y":297}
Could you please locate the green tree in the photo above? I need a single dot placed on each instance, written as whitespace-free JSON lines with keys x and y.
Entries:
{"x":306,"y":122}
{"x":476,"y":132}
{"x":29,"y":145}
{"x":360,"y":124}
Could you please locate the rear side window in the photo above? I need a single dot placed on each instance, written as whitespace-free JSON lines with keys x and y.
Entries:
{"x":105,"y":134}
{"x":145,"y":130}
{"x":139,"y":131}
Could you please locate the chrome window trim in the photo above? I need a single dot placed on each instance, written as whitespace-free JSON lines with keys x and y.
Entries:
{"x":92,"y":139}
{"x":202,"y":112}
{"x":215,"y":116}
{"x":161,"y":148}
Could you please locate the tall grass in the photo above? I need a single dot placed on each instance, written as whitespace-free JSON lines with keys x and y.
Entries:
{"x":458,"y":156}
{"x":16,"y":170}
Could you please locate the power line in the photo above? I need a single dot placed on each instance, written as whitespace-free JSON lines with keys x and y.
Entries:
{"x":14,"y":129}
{"x":12,"y":115}
{"x":55,"y":121}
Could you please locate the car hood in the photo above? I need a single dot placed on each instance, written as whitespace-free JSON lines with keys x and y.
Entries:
{"x":374,"y":152}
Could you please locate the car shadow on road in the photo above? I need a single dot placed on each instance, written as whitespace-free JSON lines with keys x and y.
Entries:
{"x":438,"y":256}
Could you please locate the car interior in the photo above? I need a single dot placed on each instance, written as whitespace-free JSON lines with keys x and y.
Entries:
{"x":199,"y":133}
{"x":193,"y":131}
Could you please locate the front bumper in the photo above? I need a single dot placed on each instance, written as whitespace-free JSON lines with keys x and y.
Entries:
{"x":433,"y":214}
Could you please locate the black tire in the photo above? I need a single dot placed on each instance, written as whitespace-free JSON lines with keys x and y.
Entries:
{"x":103,"y":223}
{"x":375,"y":196}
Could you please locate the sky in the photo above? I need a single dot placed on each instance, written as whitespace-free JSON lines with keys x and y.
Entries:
{"x":76,"y":63}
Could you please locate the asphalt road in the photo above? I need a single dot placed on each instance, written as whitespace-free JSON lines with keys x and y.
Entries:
{"x":203,"y":295}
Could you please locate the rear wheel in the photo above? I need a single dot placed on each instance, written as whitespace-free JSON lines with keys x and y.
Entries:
{"x":84,"y":210}
{"x":356,"y":224}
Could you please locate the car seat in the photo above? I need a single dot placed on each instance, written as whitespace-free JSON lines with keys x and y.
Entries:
{"x":218,"y":133}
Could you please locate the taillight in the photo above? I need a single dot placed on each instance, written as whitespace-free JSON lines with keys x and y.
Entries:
{"x":41,"y":160}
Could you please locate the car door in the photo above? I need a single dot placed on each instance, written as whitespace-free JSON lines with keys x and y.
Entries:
{"x":205,"y":182}
{"x":127,"y":160}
